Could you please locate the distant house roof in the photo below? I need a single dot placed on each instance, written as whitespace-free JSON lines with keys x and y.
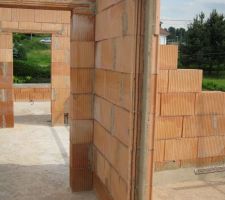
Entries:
{"x":164,"y":32}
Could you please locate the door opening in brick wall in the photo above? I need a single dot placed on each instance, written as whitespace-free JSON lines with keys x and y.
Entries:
{"x":32,"y":78}
{"x":36,"y":154}
{"x":31,"y":58}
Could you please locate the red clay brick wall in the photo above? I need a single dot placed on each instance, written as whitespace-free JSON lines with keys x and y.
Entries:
{"x":23,"y":94}
{"x":82,"y":76}
{"x":60,"y":69}
{"x":113,"y":100}
{"x":6,"y":81}
{"x":189,"y":126}
{"x":56,"y":22}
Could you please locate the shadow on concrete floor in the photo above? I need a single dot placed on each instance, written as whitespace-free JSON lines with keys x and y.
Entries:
{"x":41,"y":120}
{"x":60,"y":145}
{"x":38,"y":182}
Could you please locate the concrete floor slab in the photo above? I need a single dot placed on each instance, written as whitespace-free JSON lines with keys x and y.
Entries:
{"x":34,"y":157}
{"x":183,"y":184}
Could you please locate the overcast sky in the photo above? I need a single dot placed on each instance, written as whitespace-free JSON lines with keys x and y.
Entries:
{"x":187,"y":10}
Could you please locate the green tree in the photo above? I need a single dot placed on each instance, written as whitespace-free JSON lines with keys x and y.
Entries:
{"x":172,"y":36}
{"x":215,"y":26}
{"x":177,"y":35}
{"x":205,"y":43}
{"x":19,"y":52}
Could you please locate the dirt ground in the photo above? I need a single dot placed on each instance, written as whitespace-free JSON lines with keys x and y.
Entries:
{"x":34,"y":157}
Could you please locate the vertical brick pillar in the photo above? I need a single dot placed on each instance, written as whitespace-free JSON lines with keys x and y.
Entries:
{"x":6,"y":81}
{"x":60,"y":73}
{"x":82,"y":66}
{"x":60,"y":77}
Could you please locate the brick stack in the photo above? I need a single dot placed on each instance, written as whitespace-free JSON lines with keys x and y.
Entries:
{"x":82,"y":76}
{"x":45,"y":21}
{"x":189,"y":126}
{"x":113,"y":101}
{"x":6,"y":81}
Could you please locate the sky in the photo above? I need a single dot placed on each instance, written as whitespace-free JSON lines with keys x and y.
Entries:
{"x":186,"y":10}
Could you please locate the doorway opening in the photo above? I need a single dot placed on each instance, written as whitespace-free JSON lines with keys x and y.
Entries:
{"x":32,"y":58}
{"x":40,"y":151}
{"x":32,"y":78}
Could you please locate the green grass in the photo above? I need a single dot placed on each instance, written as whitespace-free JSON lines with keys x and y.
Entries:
{"x":35,"y":67}
{"x":39,"y":57}
{"x":213,"y":83}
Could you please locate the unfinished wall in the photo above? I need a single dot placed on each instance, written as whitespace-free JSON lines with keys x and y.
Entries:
{"x":42,"y":21}
{"x":6,"y":80}
{"x":31,"y":92}
{"x":190,"y":128}
{"x":114,"y":92}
